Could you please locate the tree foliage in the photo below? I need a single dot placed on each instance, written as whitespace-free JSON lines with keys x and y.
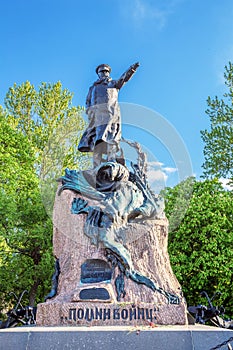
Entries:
{"x":39,"y":132}
{"x":200,"y":247}
{"x":218,"y":149}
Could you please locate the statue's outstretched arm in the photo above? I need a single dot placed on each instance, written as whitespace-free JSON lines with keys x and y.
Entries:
{"x":127,"y":75}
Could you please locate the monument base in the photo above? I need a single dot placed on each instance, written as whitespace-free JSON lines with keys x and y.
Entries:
{"x":91,"y":292}
{"x":114,"y":338}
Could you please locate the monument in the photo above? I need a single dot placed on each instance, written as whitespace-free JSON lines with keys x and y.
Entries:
{"x":110,"y":232}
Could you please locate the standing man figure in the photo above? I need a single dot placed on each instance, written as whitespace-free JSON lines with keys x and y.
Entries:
{"x":103,"y":134}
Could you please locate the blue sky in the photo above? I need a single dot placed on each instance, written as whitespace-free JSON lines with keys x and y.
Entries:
{"x":182,"y":46}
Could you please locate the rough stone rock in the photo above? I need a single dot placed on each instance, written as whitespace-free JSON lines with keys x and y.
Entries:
{"x":147,"y":243}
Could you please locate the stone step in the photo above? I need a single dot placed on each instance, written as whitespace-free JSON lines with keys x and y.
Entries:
{"x":114,"y":338}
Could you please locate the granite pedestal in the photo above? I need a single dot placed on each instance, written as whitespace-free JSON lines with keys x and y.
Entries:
{"x":113,"y":338}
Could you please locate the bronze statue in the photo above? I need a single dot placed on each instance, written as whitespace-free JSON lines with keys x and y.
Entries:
{"x":103,"y":134}
{"x":121,"y":197}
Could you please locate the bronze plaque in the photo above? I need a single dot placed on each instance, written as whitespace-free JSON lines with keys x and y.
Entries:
{"x":95,"y":270}
{"x":94,"y":293}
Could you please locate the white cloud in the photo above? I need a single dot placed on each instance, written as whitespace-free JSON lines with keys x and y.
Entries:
{"x":145,"y":10}
{"x":158,"y":175}
{"x":225,"y":184}
{"x":170,"y":170}
{"x":154,"y":164}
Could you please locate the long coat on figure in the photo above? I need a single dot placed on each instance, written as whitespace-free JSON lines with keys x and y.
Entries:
{"x":103,"y":111}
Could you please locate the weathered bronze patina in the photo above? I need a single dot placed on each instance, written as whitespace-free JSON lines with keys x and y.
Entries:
{"x":110,"y":231}
{"x":103,"y":134}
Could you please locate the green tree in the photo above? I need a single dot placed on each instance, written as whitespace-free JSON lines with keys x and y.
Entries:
{"x":39,"y":132}
{"x":218,"y":149}
{"x":25,"y":227}
{"x":200,"y":247}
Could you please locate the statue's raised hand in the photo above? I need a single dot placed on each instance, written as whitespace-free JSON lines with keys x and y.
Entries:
{"x":135,"y":66}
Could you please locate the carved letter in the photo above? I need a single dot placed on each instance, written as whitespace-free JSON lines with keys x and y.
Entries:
{"x":72,"y":314}
{"x":80,"y":314}
{"x":149,"y":314}
{"x":116,"y":314}
{"x":141,"y":313}
{"x":98,"y":313}
{"x":132,"y":314}
{"x":107,"y":314}
{"x":124,"y":314}
{"x":89,"y":315}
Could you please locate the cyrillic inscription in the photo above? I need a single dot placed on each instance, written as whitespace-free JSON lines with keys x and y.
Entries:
{"x":130,"y":313}
{"x":95,"y":270}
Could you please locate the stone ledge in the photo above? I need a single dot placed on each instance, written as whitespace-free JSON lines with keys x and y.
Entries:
{"x":113,"y":338}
